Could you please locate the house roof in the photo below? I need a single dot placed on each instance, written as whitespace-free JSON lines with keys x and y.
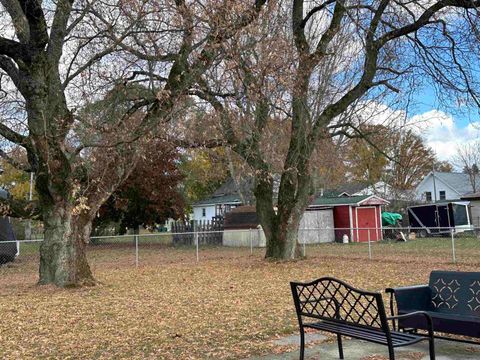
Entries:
{"x":346,"y":188}
{"x":227,"y":193}
{"x":458,"y":182}
{"x":221,"y":199}
{"x":471,"y":196}
{"x":230,"y":188}
{"x":347,"y":200}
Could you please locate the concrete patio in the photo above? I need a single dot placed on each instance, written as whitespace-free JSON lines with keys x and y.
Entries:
{"x":320,"y":347}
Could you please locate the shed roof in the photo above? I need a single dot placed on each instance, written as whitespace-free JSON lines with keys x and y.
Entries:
{"x":346,"y":200}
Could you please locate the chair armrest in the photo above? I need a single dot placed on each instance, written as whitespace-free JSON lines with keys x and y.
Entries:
{"x":416,"y":313}
{"x":403,"y":288}
{"x":411,"y":298}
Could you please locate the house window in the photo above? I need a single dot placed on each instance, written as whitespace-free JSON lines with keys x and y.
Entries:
{"x":204,"y":212}
{"x":442,"y":195}
{"x":428,"y":196}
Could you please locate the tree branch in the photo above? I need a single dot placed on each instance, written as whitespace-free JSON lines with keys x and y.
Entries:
{"x":18,"y":19}
{"x":14,"y":50}
{"x":12,"y":136}
{"x":7,"y":65}
{"x":59,"y":29}
{"x":36,"y":20}
{"x":20,"y":208}
{"x":425,"y":18}
{"x":332,"y":30}
{"x":13,"y":162}
{"x":299,"y":30}
{"x":314,"y":10}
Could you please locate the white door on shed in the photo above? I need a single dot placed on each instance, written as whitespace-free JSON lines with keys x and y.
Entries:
{"x":316,"y":226}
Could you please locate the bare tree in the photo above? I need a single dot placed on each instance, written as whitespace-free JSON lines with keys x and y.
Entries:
{"x":312,"y":63}
{"x":468,"y":159}
{"x":58,"y":61}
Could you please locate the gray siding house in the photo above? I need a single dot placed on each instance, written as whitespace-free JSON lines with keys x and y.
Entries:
{"x":437,"y":186}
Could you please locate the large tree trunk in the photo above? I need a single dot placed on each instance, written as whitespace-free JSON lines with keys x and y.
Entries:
{"x":63,"y":260}
{"x":282,"y":242}
{"x":280,"y":227}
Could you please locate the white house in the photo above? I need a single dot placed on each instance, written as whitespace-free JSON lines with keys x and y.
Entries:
{"x":438,"y":186}
{"x":215,"y":206}
{"x":380,"y":189}
{"x":222,"y":201}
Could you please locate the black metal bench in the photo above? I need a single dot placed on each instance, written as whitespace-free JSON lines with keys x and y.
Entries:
{"x":331,"y":305}
{"x":452,"y":299}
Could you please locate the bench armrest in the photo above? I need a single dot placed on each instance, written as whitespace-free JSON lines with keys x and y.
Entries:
{"x":411,"y":298}
{"x":416,"y":313}
{"x":412,"y":287}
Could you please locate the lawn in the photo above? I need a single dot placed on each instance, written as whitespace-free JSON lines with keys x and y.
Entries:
{"x":229,"y":305}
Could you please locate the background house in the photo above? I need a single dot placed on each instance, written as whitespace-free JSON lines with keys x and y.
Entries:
{"x":380,"y":188}
{"x":438,"y":186}
{"x":226,"y":198}
{"x":352,"y":209}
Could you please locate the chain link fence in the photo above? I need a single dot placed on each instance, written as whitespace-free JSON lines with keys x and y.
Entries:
{"x":439,"y":245}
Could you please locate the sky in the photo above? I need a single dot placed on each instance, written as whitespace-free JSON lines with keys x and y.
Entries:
{"x":444,"y":128}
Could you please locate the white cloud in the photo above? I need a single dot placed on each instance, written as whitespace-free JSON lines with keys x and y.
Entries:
{"x":442,"y":133}
{"x":439,"y":129}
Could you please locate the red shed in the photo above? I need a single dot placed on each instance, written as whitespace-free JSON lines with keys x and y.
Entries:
{"x":355,"y":216}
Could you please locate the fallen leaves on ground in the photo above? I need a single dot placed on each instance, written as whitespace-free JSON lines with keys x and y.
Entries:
{"x":227,"y":306}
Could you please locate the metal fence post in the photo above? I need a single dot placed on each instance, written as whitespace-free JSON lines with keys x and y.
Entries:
{"x":454,"y":258}
{"x":304,"y":249}
{"x":196,"y":243}
{"x":259,"y":234}
{"x":136,"y":251}
{"x":369,"y":245}
{"x":251,"y":241}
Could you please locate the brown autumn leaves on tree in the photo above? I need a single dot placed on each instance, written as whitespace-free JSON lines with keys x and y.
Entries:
{"x":313,"y":66}
{"x":59,"y":57}
{"x":151,"y":195}
{"x":397,"y":157}
{"x":300,"y":66}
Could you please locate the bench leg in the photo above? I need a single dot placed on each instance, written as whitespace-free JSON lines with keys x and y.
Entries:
{"x":431,"y":348}
{"x":302,"y":343}
{"x":340,"y":346}
{"x":391,"y":353}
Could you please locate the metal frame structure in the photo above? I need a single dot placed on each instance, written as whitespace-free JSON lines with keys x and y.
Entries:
{"x":331,"y":305}
{"x":451,"y":298}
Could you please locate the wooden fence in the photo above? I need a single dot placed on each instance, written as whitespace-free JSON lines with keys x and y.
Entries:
{"x":209,"y":232}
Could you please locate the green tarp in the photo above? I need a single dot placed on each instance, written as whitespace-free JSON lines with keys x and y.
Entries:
{"x":390,"y":219}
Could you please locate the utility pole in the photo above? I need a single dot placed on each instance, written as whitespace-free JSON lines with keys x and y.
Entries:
{"x":434,"y":185}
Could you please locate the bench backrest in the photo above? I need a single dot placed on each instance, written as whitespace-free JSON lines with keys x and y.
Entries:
{"x":331,"y":299}
{"x":456,"y":292}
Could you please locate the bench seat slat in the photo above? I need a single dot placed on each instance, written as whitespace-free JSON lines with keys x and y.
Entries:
{"x":373,"y":335}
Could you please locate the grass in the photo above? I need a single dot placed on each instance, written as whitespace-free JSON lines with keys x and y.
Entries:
{"x":229,"y":305}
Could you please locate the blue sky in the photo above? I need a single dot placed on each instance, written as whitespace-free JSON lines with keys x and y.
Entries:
{"x":444,"y":126}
